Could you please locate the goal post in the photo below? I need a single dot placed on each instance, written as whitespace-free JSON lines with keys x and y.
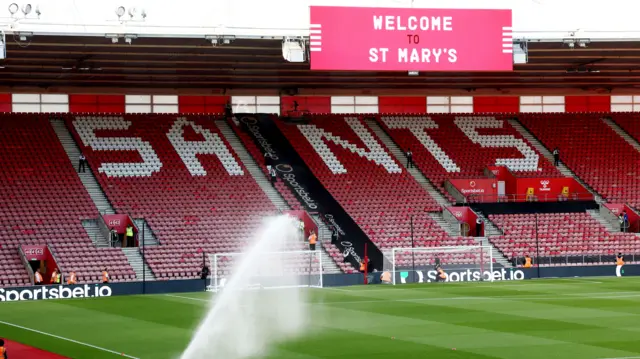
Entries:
{"x":459,"y":264}
{"x":283,"y":269}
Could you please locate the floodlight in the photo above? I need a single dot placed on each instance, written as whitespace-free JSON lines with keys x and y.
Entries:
{"x":120,"y":11}
{"x":26,"y":9}
{"x":13,"y":8}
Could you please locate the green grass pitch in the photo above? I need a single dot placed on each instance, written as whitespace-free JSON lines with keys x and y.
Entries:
{"x":591,"y":318}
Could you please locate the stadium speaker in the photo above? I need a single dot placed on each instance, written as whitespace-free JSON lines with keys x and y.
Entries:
{"x":293,"y":50}
{"x":520,"y":53}
{"x":3,"y":46}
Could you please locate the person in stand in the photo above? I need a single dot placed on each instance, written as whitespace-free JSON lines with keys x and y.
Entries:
{"x":479,"y":224}
{"x":82,"y":162}
{"x":441,"y":276}
{"x":313,"y":238}
{"x":204,"y":274}
{"x":527,"y":261}
{"x":409,"y":155}
{"x":437,"y":262}
{"x":3,"y":350}
{"x":295,"y":106}
{"x":335,"y":236}
{"x":228,"y":110}
{"x":114,"y":237}
{"x":273,"y":175}
{"x":623,"y":227}
{"x":619,"y":264}
{"x":130,"y":236}
{"x":105,"y":276}
{"x":625,"y":220}
{"x":72,"y":278}
{"x":54,"y":276}
{"x":37,"y":277}
{"x":556,"y":156}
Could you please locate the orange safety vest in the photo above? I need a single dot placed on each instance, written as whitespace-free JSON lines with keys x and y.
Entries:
{"x":105,"y":277}
{"x":362,"y":267}
{"x":527,"y":262}
{"x":38,"y":277}
{"x":619,"y":261}
{"x":3,"y":352}
{"x":72,"y":279}
{"x":442,"y":274}
{"x":313,"y":238}
{"x":53,"y":277}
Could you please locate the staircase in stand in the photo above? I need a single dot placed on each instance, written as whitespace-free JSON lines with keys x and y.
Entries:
{"x":324,"y":236}
{"x":491,"y":230}
{"x":87,"y":177}
{"x":595,"y":214}
{"x":93,"y":231}
{"x":272,"y":193}
{"x":439,"y":218}
{"x":149,"y":237}
{"x":401,"y":158}
{"x":549,"y":156}
{"x":252,"y":166}
{"x":141,"y":269}
{"x":622,"y":133}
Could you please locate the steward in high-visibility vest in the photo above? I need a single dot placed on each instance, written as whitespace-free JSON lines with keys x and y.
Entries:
{"x":130,"y":236}
{"x":362,"y":267}
{"x":72,"y":278}
{"x":3,"y":350}
{"x":442,"y":276}
{"x":105,"y":276}
{"x":527,"y":261}
{"x":619,"y":264}
{"x":58,"y":278}
{"x":37,"y":277}
{"x":313,"y":238}
{"x":54,"y":275}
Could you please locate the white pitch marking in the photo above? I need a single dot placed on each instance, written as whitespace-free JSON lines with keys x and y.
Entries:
{"x":69,"y":340}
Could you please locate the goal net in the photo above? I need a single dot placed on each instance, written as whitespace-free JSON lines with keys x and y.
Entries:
{"x":284,"y":269}
{"x":448,"y":264}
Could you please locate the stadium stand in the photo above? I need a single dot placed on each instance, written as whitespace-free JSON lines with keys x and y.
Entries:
{"x":359,"y":172}
{"x":42,"y":201}
{"x":191,"y":188}
{"x":593,"y":151}
{"x":454,"y":146}
{"x":629,"y":122}
{"x":564,"y":238}
{"x":288,"y":195}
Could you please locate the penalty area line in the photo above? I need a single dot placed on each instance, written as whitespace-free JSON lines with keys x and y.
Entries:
{"x":189,"y":298}
{"x":69,"y":340}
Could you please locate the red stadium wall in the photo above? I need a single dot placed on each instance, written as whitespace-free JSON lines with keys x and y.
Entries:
{"x":317,"y":104}
{"x":587,"y":103}
{"x":97,"y":103}
{"x":202,"y":104}
{"x":114,"y":103}
{"x":5,"y":102}
{"x":399,"y":104}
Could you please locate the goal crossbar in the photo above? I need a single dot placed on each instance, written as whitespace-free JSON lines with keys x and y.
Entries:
{"x":278,"y":269}
{"x":482,"y":262}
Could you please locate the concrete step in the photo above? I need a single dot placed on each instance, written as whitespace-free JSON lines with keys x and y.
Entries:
{"x":622,"y":133}
{"x":252,"y":166}
{"x":150,"y":238}
{"x":446,"y":226}
{"x":546,"y":153}
{"x":324,"y":235}
{"x":611,"y":227}
{"x":87,"y":178}
{"x":397,"y":152}
{"x":141,"y":269}
{"x":93,"y":231}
